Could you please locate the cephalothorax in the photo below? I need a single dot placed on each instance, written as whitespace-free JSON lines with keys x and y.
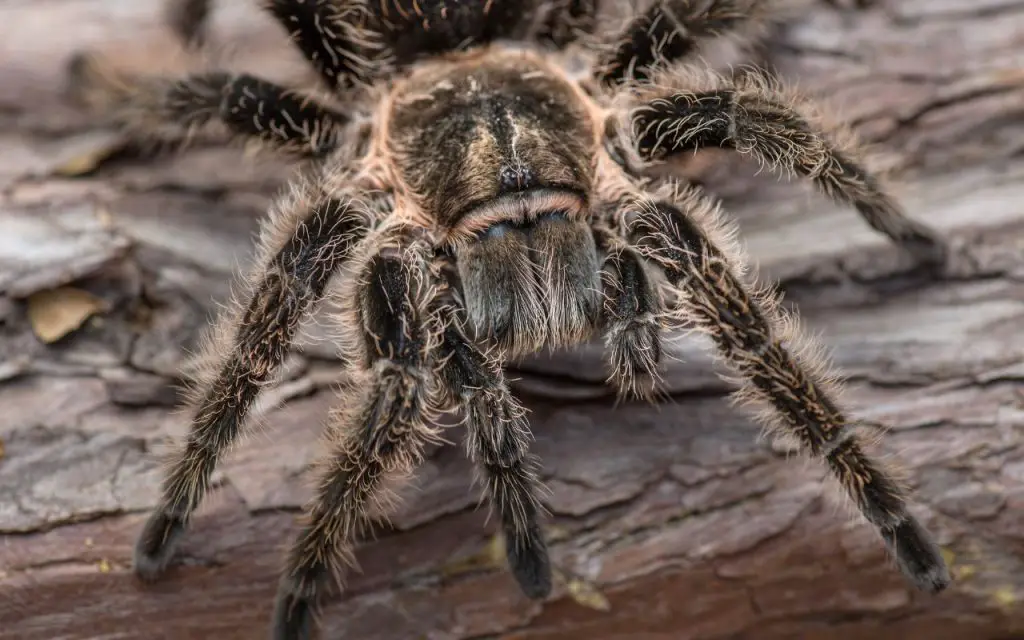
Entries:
{"x":474,"y":202}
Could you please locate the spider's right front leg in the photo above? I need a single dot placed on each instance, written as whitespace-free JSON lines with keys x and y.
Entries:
{"x":245,"y":352}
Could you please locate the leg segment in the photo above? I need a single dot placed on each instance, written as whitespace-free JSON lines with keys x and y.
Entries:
{"x":188,"y":20}
{"x":756,"y":119}
{"x":631,"y":314}
{"x":671,"y":30}
{"x":498,"y":442}
{"x":331,"y":34}
{"x":167,"y":110}
{"x":382,"y":429}
{"x":750,"y":332}
{"x":244,"y":355}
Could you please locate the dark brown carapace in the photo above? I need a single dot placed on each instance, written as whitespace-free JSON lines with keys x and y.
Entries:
{"x":467,"y":201}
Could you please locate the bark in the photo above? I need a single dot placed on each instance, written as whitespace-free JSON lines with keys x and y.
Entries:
{"x":670,"y":521}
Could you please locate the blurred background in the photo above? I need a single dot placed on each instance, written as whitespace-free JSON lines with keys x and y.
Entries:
{"x":673,"y":521}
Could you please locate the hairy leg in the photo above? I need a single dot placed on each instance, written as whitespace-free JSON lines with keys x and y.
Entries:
{"x":671,"y":30}
{"x":631,"y":312}
{"x":188,"y":20}
{"x":498,"y":440}
{"x":381,"y":429}
{"x":682,"y":233}
{"x":173,"y":110}
{"x":306,"y":243}
{"x":332,"y":35}
{"x":684,"y":112}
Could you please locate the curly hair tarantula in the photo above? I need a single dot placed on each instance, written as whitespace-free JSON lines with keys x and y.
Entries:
{"x":476,"y":202}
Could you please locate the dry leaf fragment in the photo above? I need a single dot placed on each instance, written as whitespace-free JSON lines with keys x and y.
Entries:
{"x":55,"y":313}
{"x":490,"y":557}
{"x":2,"y":451}
{"x":587,"y":594}
{"x":104,"y":566}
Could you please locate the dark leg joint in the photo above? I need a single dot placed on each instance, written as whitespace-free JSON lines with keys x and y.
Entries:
{"x":157,"y":542}
{"x":293,"y":614}
{"x":527,"y":555}
{"x":876,"y":494}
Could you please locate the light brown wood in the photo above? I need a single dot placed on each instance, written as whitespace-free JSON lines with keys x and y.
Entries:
{"x":689,"y":525}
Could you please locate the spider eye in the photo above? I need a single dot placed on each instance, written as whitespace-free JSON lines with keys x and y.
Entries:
{"x":516,"y":178}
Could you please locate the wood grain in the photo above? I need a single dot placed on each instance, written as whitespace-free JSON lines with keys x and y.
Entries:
{"x":686,"y":521}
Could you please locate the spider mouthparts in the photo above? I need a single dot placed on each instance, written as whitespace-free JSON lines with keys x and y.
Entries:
{"x":519,"y":211}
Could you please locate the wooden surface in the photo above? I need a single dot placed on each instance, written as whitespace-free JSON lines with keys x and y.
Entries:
{"x":687,"y":523}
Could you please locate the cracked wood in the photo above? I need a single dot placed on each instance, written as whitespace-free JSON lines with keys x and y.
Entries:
{"x":685,"y":521}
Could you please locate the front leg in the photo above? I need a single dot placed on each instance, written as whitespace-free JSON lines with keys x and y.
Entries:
{"x":632,"y":314}
{"x":244,"y":352}
{"x":381,"y":428}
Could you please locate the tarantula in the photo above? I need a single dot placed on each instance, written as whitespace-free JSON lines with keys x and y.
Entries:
{"x":474,"y":202}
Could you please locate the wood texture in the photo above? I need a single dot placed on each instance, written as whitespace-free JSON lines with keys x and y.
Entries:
{"x":688,"y":524}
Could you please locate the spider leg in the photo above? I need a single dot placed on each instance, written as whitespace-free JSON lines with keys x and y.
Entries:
{"x":188,"y":20}
{"x":669,"y":31}
{"x":631,"y":312}
{"x":332,"y":35}
{"x":381,"y":429}
{"x":175,"y":109}
{"x":683,"y":235}
{"x":497,"y":440}
{"x":316,"y":233}
{"x":755,"y":118}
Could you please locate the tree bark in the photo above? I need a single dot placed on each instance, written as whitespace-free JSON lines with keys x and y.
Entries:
{"x":669,"y":521}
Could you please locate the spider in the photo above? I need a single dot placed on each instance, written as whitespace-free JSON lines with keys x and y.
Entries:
{"x":468,"y":201}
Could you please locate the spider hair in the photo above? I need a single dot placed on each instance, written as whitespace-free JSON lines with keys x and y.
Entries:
{"x":469,"y":202}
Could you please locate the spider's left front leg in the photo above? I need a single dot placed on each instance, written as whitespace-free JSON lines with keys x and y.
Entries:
{"x":682,"y":233}
{"x":383,"y":424}
{"x":690,"y":111}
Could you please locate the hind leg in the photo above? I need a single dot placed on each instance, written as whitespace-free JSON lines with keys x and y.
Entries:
{"x":669,"y":32}
{"x":188,"y":20}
